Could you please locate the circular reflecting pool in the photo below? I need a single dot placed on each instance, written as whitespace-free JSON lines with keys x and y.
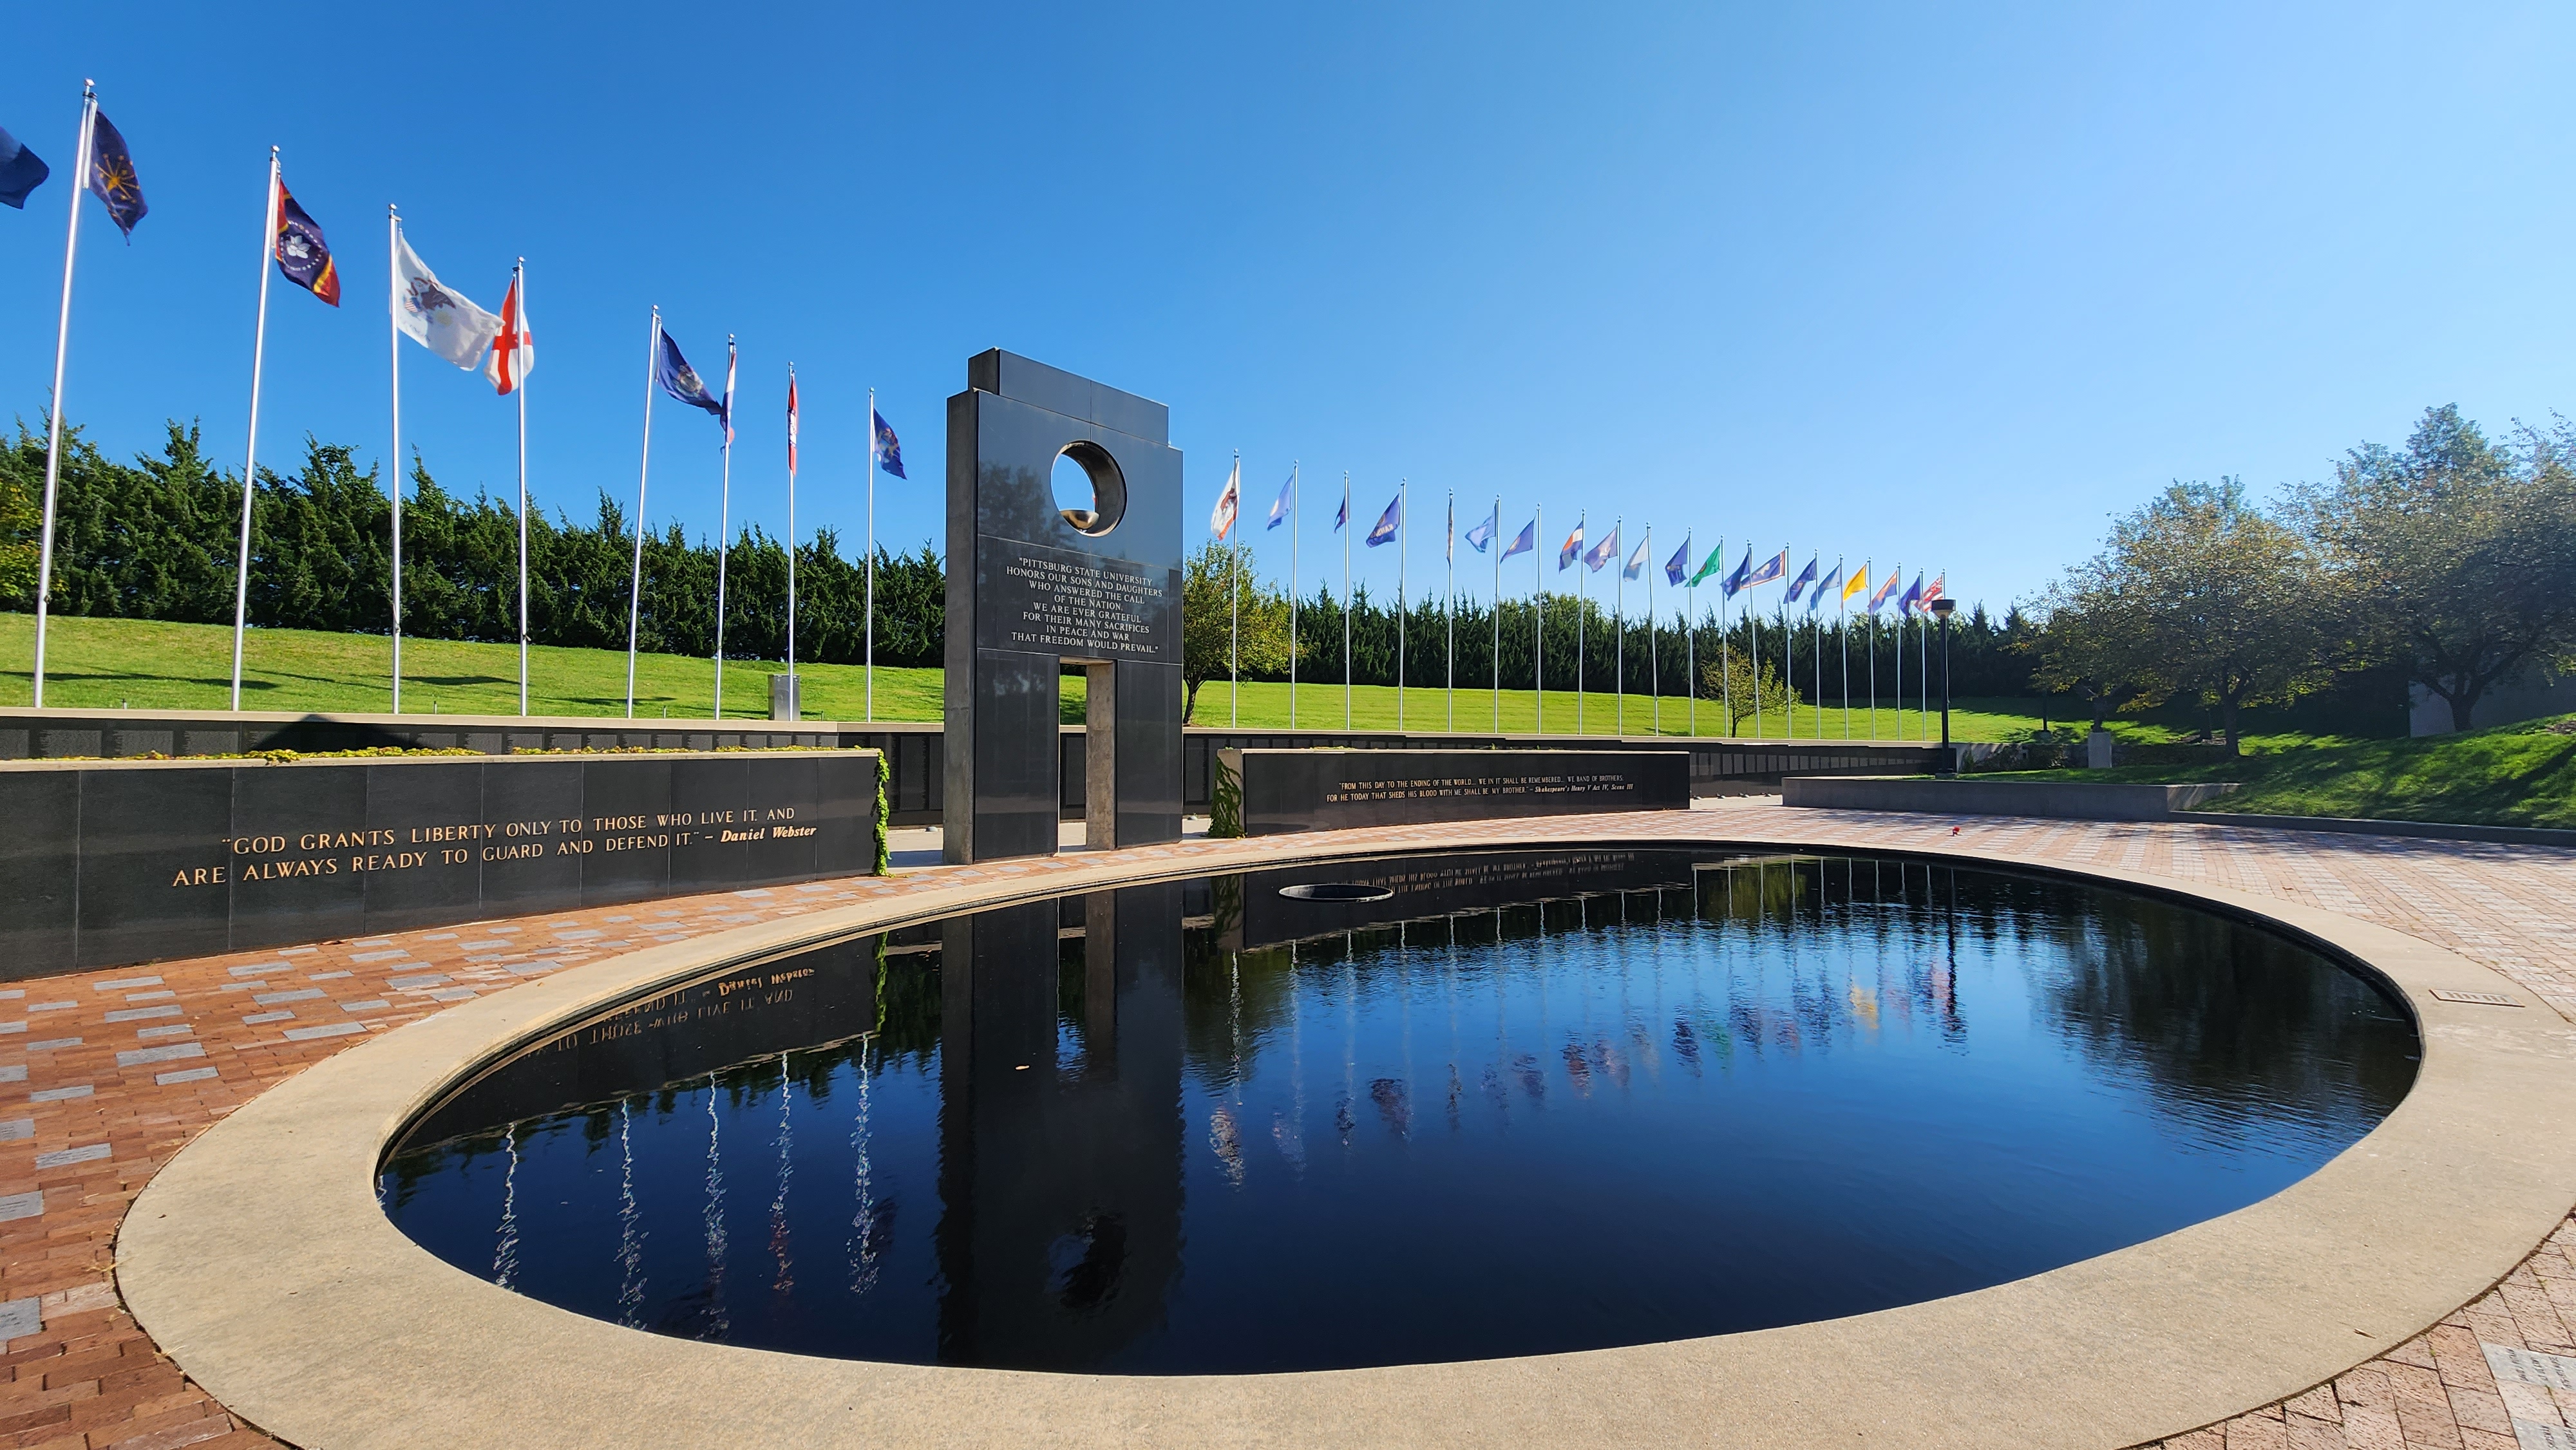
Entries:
{"x":1518,"y":1103}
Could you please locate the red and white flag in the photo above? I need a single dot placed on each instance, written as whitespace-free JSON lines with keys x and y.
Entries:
{"x":791,"y":422}
{"x":1228,"y":503}
{"x":514,"y":349}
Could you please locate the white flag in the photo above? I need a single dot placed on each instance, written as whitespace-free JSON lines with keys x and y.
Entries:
{"x":1228,"y":502}
{"x":514,"y":347}
{"x":436,"y":317}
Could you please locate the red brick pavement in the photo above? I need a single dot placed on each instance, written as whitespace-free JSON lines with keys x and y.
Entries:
{"x":105,"y":1075}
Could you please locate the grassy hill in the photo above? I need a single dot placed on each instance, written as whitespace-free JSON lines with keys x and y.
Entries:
{"x":2522,"y":774}
{"x":114,"y":663}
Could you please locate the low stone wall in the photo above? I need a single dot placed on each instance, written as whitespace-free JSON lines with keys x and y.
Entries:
{"x":114,"y":862}
{"x":1274,"y":792}
{"x":2079,"y":800}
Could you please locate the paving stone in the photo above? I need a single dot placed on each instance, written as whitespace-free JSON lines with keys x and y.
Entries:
{"x":20,"y":1317}
{"x":61,"y":1094}
{"x":15,"y":1206}
{"x":124,"y":984}
{"x":16,"y":1128}
{"x":139,"y":1014}
{"x":69,"y":1156}
{"x":2534,"y":1436}
{"x":13,"y":1026}
{"x":52,"y":1044}
{"x":335,"y":1029}
{"x":2556,"y":1371}
{"x":329,"y":976}
{"x":377,"y":1004}
{"x":14,"y":1072}
{"x":430,"y":979}
{"x":393,"y":955}
{"x":145,"y":1056}
{"x":149,"y":996}
{"x":300,"y":994}
{"x":177,"y":1029}
{"x":192,"y":1074}
{"x":256,"y":1018}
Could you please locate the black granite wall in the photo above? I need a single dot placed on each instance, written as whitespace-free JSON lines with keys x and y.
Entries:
{"x":116,"y":863}
{"x":1336,"y":790}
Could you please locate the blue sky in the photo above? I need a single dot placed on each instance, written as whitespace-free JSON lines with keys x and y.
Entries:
{"x":1942,"y":284}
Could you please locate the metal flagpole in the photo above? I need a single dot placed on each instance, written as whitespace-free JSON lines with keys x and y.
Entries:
{"x":62,"y":340}
{"x":1872,"y":566}
{"x":1495,"y":543}
{"x":1842,"y":634}
{"x":724,"y":525}
{"x":1619,"y":628}
{"x":1401,"y":486}
{"x":1899,"y":654}
{"x":1690,"y":635}
{"x":1451,"y":548}
{"x":393,"y":334}
{"x":1726,"y":649}
{"x":1654,"y":650}
{"x":250,"y":450}
{"x":1582,"y":607}
{"x":1923,"y":672}
{"x":1234,"y":609}
{"x":1816,"y":641}
{"x":1296,"y":526}
{"x":519,"y":385}
{"x":1538,"y":611}
{"x":635,"y":579}
{"x":1346,"y":599}
{"x":1753,"y":623}
{"x":1788,"y":655}
{"x":795,"y":692}
{"x":871,"y":619}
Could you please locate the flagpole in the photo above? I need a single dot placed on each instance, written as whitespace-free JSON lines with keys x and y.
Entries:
{"x":1451,"y":549}
{"x":1401,"y":608}
{"x":519,"y":385}
{"x":635,"y":579}
{"x":1494,"y":542}
{"x":1923,"y":674}
{"x":1788,"y":658}
{"x":1234,"y":609}
{"x":1872,"y":566}
{"x":393,"y":334}
{"x":1899,"y":654}
{"x":250,"y":450}
{"x":1753,"y":623}
{"x":872,"y":556}
{"x":1690,"y":636}
{"x":62,"y":342}
{"x":795,"y":691}
{"x":1816,"y":641}
{"x":1582,"y":603}
{"x":724,"y":525}
{"x":1296,"y":526}
{"x":1619,"y":634}
{"x":1842,"y":636}
{"x":1538,"y":613}
{"x":1654,"y":651}
{"x":1726,"y":649}
{"x":1346,"y":599}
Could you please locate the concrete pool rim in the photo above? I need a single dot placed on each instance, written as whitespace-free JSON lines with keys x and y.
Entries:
{"x":259,"y":1260}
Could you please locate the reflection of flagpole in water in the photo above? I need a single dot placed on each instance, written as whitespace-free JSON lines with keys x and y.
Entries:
{"x":1342,"y":1119}
{"x":786,"y":1279}
{"x":863,"y":1249}
{"x":1290,"y":1133}
{"x":716,"y":1324}
{"x":505,"y":1255}
{"x":630,"y":1226}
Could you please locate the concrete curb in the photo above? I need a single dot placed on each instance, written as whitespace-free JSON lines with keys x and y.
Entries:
{"x":259,"y":1261}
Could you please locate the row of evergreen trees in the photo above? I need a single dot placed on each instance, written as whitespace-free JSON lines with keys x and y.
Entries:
{"x":156,"y":539}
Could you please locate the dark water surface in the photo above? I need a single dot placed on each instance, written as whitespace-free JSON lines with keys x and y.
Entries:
{"x":1206,"y":1128}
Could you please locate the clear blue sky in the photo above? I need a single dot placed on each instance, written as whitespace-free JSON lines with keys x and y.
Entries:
{"x":1945,"y":284}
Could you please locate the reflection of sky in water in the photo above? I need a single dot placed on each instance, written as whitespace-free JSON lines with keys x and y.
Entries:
{"x":1787,"y":1091}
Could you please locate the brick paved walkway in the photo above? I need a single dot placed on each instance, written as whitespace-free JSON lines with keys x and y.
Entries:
{"x":105,"y":1075}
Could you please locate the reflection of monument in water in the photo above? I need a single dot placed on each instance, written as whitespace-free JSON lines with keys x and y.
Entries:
{"x":1060,"y":1176}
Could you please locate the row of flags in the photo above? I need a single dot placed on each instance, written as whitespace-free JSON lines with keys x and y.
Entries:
{"x":1747,"y":574}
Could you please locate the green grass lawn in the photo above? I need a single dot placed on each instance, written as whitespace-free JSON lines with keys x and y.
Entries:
{"x":2522,"y":774}
{"x":144,"y":665}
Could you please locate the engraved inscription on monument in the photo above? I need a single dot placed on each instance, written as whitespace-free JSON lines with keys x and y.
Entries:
{"x":1099,"y":608}
{"x":1323,"y":790}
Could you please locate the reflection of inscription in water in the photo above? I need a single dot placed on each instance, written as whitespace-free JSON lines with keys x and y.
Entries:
{"x":1477,"y":787}
{"x":1077,"y":606}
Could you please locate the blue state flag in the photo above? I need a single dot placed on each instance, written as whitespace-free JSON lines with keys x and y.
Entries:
{"x":1764,"y":572}
{"x":1603,"y":552}
{"x":1342,"y":515}
{"x":20,"y":171}
{"x":1387,"y":523}
{"x":1824,"y":587}
{"x":1739,"y":576}
{"x":1912,"y":598}
{"x":1636,"y":564}
{"x":111,"y":175}
{"x":1679,"y":564}
{"x":1287,"y":500}
{"x":1483,"y":534}
{"x":889,"y":450}
{"x":1805,"y":577}
{"x":681,"y":381}
{"x":1527,"y":541}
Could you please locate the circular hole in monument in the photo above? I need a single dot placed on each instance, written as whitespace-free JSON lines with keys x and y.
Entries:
{"x":1337,"y":891}
{"x":1089,"y":491}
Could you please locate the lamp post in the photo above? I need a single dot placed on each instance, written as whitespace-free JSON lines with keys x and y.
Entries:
{"x":1949,"y":758}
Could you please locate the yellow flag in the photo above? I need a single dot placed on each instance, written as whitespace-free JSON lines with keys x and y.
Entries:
{"x":1859,"y":581}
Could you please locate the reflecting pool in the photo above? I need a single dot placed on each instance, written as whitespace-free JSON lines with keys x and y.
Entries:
{"x":1490,"y":1104}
